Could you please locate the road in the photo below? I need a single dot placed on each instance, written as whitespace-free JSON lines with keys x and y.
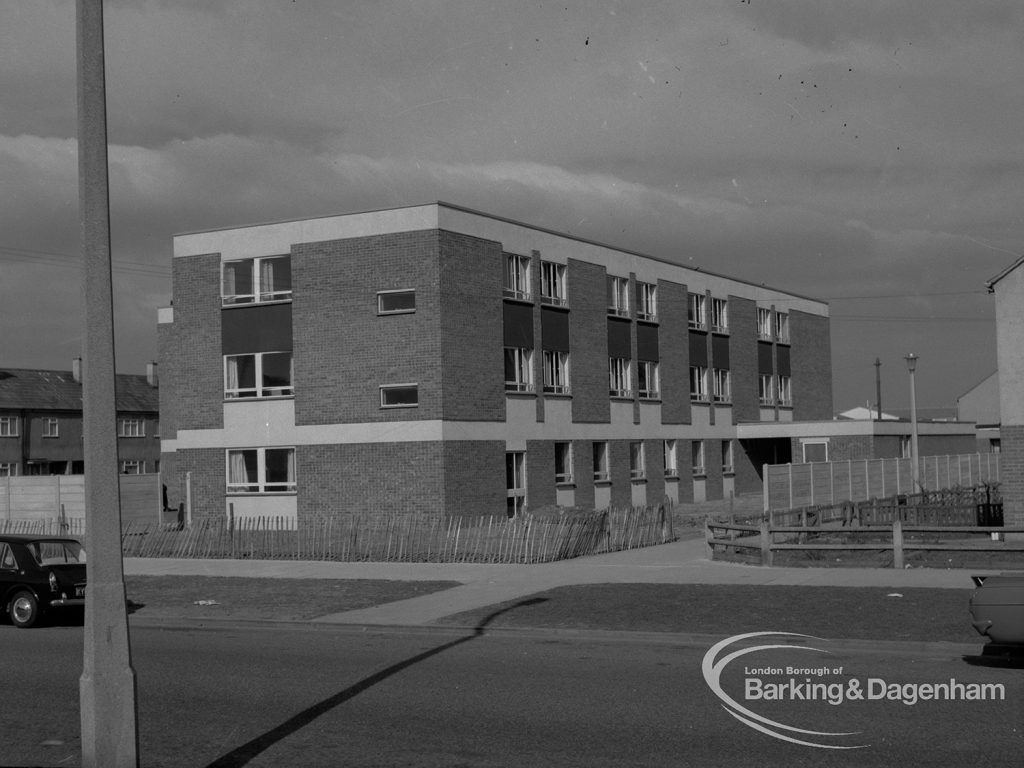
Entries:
{"x":251,"y":695}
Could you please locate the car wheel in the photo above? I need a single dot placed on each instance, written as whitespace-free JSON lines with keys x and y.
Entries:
{"x":24,"y":610}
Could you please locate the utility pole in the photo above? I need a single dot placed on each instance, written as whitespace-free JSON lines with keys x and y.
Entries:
{"x":878,"y":387}
{"x":107,"y":691}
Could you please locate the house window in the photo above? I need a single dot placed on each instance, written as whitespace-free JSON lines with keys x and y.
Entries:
{"x":261,"y":470}
{"x":697,"y":313}
{"x":699,"y":383}
{"x":722,"y":385}
{"x":51,"y":427}
{"x":518,"y":369}
{"x":728,"y":467}
{"x":906,"y":451}
{"x":556,"y":372}
{"x":764,"y":324}
{"x":766,"y":389}
{"x":619,"y":379}
{"x":671,"y":461}
{"x":719,"y":315}
{"x":8,"y":469}
{"x":259,"y":374}
{"x":697,"y":451}
{"x":399,"y":395}
{"x":646,"y":301}
{"x":782,"y":327}
{"x":396,"y":302}
{"x":552,"y":283}
{"x":131,"y":428}
{"x":618,"y":296}
{"x":132,"y":467}
{"x":647,"y":379}
{"x":8,"y":426}
{"x":601,"y":474}
{"x":248,"y":281}
{"x":563,"y":462}
{"x":785,"y":391}
{"x":517,"y":277}
{"x":814,"y":450}
{"x":637,"y":462}
{"x":515,"y":482}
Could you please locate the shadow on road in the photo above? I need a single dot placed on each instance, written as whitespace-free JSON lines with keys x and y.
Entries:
{"x":242,"y":755}
{"x":996,"y":655}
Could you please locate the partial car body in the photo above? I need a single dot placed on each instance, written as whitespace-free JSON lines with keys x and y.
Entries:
{"x":40,"y":574}
{"x":997,"y":607}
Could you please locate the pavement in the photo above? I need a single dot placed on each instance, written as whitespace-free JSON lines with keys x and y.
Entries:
{"x":481,"y":585}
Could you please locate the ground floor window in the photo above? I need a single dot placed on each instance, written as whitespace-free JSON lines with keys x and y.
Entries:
{"x":671,"y":467}
{"x":515,"y":482}
{"x":728,"y":465}
{"x":132,"y":467}
{"x":601,"y":462}
{"x":261,"y":470}
{"x":637,"y":462}
{"x":563,"y":462}
{"x":697,"y":451}
{"x":8,"y":469}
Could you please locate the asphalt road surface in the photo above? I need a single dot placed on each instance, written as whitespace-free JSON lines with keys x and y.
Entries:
{"x":235,"y":695}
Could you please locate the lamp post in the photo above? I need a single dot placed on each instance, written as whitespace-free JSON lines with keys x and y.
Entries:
{"x":915,"y":469}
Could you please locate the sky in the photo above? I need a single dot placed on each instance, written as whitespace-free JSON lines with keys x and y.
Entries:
{"x":867,"y":153}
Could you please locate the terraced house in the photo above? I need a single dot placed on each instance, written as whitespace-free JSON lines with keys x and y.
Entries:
{"x":438,"y":359}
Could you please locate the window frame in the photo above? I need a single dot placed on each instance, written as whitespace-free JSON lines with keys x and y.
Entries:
{"x":256,"y":294}
{"x":781,"y":321}
{"x":260,"y":391}
{"x":728,"y":458}
{"x":601,"y":461}
{"x":517,"y":282}
{"x":698,"y":459}
{"x":563,"y":457}
{"x":10,"y":426}
{"x":648,"y":373}
{"x":132,"y":467}
{"x":262,"y":486}
{"x":131,"y":427}
{"x":719,"y":315}
{"x":785,"y":391}
{"x":559,"y":296}
{"x":697,"y":311}
{"x":522,"y":366}
{"x":619,"y":306}
{"x":381,"y":295}
{"x":51,"y":427}
{"x":556,"y":372}
{"x":764,"y":324}
{"x":8,"y":469}
{"x":637,"y":460}
{"x":699,"y":377}
{"x":646,"y":301}
{"x":620,"y":371}
{"x":671,"y":457}
{"x":413,"y":386}
{"x":721,"y":385}
{"x":766,"y":389}
{"x":515,"y":491}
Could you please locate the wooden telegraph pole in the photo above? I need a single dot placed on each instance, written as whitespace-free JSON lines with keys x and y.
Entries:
{"x":109,"y":712}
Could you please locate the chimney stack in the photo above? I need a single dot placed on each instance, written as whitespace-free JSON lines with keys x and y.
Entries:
{"x":76,"y":370}
{"x":151,"y":375}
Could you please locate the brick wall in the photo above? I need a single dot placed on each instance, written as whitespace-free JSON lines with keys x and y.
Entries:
{"x":471,"y":279}
{"x":743,"y":359}
{"x":167,"y":395}
{"x":588,"y":342}
{"x":1012,"y":473}
{"x":583,"y":473}
{"x":654,"y":451}
{"x":811,"y":361}
{"x":674,"y":349}
{"x":208,"y":479}
{"x":540,"y":474}
{"x":343,"y":350}
{"x":193,"y":368}
{"x":622,"y":493}
{"x":474,"y":477}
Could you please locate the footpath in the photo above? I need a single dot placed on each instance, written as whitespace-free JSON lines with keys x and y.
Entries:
{"x":482,"y":585}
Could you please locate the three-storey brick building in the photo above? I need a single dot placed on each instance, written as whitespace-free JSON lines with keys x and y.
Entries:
{"x":438,"y":359}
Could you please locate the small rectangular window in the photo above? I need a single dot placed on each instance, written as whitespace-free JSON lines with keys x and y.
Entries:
{"x":396,"y":302}
{"x":722,"y":385}
{"x":619,"y":377}
{"x":132,"y":467}
{"x":646,"y":301}
{"x":261,"y":470}
{"x":785,"y":392}
{"x":637,"y":462}
{"x":671,"y":465}
{"x":51,"y":427}
{"x":515,"y":482}
{"x":698,"y":383}
{"x":399,"y":395}
{"x":766,"y":389}
{"x":697,"y":451}
{"x":131,"y":428}
{"x":518,"y":369}
{"x":556,"y":372}
{"x":8,"y":426}
{"x":647,"y":380}
{"x":517,"y":277}
{"x":728,"y":467}
{"x":601,"y":462}
{"x":552,"y":283}
{"x":259,"y":374}
{"x":256,"y":280}
{"x":563,"y":463}
{"x":782,"y":327}
{"x":618,"y":296}
{"x":719,"y":315}
{"x":697,"y":315}
{"x":764,"y":324}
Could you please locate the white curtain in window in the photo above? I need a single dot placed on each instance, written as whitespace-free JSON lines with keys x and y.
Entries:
{"x":291,"y":468}
{"x":266,"y":276}
{"x":238,"y":473}
{"x":231,"y":369}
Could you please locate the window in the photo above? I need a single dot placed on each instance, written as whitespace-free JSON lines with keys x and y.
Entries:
{"x":785,"y":391}
{"x":697,"y":451}
{"x":7,"y":561}
{"x":719,"y":315}
{"x":722,"y":385}
{"x":782,"y":327}
{"x":697,"y":313}
{"x":601,"y":474}
{"x":8,"y":426}
{"x":8,"y":469}
{"x":396,"y":302}
{"x":563,"y":462}
{"x":259,"y":374}
{"x":699,"y":383}
{"x":618,"y":296}
{"x":906,"y":451}
{"x":671,"y":463}
{"x":261,"y":470}
{"x":619,"y":379}
{"x":814,"y":450}
{"x":518,"y":369}
{"x":131,"y":428}
{"x":51,"y":427}
{"x":552,"y":283}
{"x":646,"y":301}
{"x":399,"y":395}
{"x":248,"y":281}
{"x":764,"y":324}
{"x":556,"y":372}
{"x":637,"y":462}
{"x":766,"y":389}
{"x":647,"y":379}
{"x":728,"y":467}
{"x":517,"y":277}
{"x":515,"y":482}
{"x":132,"y":467}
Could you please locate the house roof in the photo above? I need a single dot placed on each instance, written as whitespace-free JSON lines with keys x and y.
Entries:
{"x":30,"y":389}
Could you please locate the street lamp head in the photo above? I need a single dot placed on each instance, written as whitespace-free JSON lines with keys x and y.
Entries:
{"x":911,"y":362}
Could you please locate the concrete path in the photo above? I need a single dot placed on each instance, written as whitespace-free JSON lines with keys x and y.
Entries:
{"x":682,"y":562}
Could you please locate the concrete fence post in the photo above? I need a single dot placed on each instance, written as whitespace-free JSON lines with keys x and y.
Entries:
{"x":897,"y":544}
{"x":766,"y":543}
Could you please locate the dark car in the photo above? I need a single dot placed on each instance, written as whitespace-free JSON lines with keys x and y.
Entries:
{"x":39,"y":574}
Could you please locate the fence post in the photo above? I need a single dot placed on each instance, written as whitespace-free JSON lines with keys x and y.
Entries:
{"x":764,"y":476}
{"x":766,"y":544}
{"x":897,"y":544}
{"x":188,"y":499}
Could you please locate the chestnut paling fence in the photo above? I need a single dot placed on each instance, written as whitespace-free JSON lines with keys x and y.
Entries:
{"x":391,"y":537}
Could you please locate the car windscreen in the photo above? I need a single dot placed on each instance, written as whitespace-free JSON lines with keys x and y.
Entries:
{"x":57,"y":552}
